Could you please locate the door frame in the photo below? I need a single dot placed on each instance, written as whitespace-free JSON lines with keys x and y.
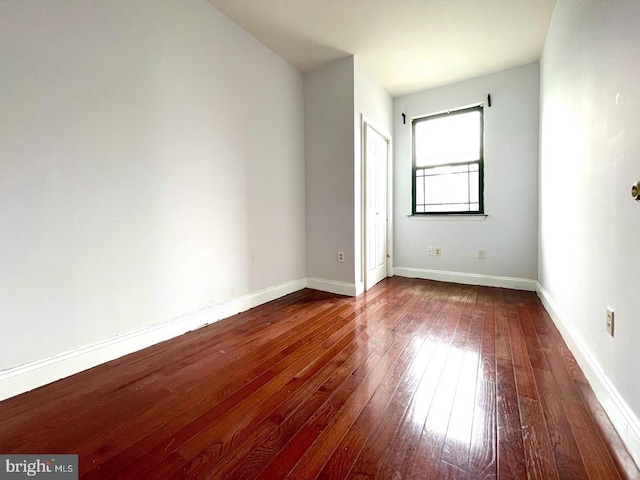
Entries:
{"x":363,"y":200}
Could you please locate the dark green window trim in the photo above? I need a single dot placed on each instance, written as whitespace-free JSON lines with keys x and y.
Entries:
{"x":479,"y":161}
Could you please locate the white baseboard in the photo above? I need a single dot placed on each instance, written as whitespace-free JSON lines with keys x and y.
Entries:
{"x":621,"y":416}
{"x":35,"y":374}
{"x":467,"y":278}
{"x":332,"y":286}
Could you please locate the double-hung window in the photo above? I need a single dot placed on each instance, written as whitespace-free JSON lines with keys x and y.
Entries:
{"x":448,"y":162}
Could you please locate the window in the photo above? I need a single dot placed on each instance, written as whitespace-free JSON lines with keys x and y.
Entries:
{"x":448,"y":162}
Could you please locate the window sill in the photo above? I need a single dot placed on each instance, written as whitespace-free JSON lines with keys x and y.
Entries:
{"x":471,"y":217}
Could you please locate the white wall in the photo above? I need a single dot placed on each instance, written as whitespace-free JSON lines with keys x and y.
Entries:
{"x":590,"y":156}
{"x":372,"y":101}
{"x":509,"y":233}
{"x":329,"y":156}
{"x":148,"y":150}
{"x":337,"y":95}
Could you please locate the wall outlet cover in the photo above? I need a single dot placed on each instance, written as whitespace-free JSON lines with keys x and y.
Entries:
{"x":610,"y":320}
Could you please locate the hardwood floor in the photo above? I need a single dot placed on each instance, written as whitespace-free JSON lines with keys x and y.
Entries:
{"x":415,"y":379}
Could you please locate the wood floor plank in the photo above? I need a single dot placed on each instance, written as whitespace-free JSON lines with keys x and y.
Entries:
{"x":609,"y":434}
{"x":399,"y":452}
{"x":344,"y":455}
{"x":539,"y":455}
{"x":565,"y":449}
{"x":234,"y":377}
{"x":399,"y":456}
{"x":534,"y":347}
{"x":523,"y":371}
{"x":223,"y":425}
{"x":566,"y":386}
{"x":595,"y":455}
{"x":248,"y":460}
{"x":511,"y":457}
{"x":488,"y":347}
{"x":339,"y":418}
{"x":177,"y":431}
{"x":259,"y":452}
{"x":368,"y":462}
{"x":428,"y":452}
{"x":446,"y":471}
{"x":503,"y":347}
{"x":413,"y":379}
{"x":457,"y":444}
{"x":483,"y":451}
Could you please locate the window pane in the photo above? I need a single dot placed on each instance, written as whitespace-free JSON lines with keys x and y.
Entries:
{"x":448,"y":207}
{"x":474,"y":187}
{"x":453,"y":188}
{"x":419,"y":190}
{"x":448,"y":139}
{"x":448,"y":189}
{"x":446,"y":170}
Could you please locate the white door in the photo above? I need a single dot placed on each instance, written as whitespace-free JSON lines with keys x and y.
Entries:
{"x":376,"y":159}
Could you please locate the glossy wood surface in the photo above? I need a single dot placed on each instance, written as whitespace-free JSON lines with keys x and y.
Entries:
{"x":414,"y":379}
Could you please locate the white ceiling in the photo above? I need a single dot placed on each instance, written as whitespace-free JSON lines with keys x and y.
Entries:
{"x":409,"y":45}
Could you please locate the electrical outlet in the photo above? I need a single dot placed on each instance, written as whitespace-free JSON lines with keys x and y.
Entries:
{"x":429,"y":251}
{"x":482,"y":254}
{"x":437,"y":251}
{"x":610,"y":318}
{"x":341,"y":257}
